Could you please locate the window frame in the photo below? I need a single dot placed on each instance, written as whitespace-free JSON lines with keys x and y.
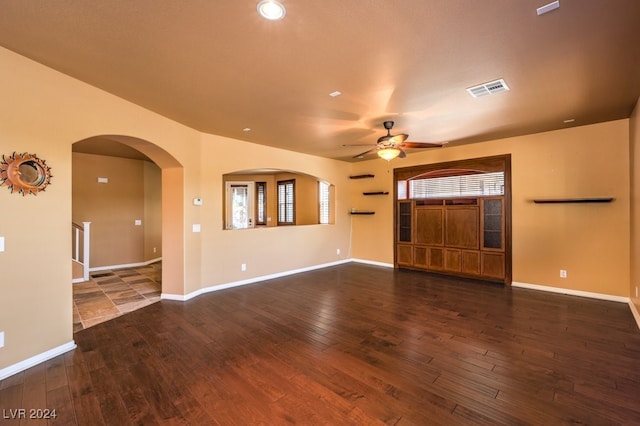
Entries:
{"x":261,"y":189}
{"x":324,"y":203}
{"x":286,"y":184}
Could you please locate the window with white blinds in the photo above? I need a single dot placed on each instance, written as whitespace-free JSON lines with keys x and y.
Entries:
{"x":475,"y":185}
{"x":402,"y":190}
{"x":261,"y":203}
{"x":323,"y":201}
{"x":286,"y":202}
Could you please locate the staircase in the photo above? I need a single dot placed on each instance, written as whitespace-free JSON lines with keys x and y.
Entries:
{"x":80,"y":251}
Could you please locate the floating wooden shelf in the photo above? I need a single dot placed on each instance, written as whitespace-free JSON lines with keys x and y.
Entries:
{"x":362,"y":212}
{"x":376,"y":193}
{"x":572,"y":200}
{"x":367,"y":176}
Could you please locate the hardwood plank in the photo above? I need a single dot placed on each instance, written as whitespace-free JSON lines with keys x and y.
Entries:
{"x":11,"y":402}
{"x":351,"y":344}
{"x":35,"y":393}
{"x":59,"y":399}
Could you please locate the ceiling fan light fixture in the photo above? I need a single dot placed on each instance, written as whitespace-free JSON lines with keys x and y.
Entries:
{"x":388,"y":153}
{"x":271,"y":9}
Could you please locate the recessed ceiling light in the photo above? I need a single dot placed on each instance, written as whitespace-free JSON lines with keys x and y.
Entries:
{"x":246,"y":129}
{"x":271,"y":9}
{"x":569,"y":120}
{"x":334,"y":94}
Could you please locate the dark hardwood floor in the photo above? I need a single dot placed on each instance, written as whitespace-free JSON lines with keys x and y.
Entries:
{"x":352,"y":344}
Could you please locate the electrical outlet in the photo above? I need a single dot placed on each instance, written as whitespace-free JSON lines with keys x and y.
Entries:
{"x":243,"y":267}
{"x":1,"y":243}
{"x":155,"y":250}
{"x":636,"y":291}
{"x":338,"y":252}
{"x":1,"y":339}
{"x":563,"y":273}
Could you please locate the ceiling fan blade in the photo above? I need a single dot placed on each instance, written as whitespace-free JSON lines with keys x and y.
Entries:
{"x":364,"y":153}
{"x":421,"y":145}
{"x":360,"y":144}
{"x":398,"y":139}
{"x":402,"y":153}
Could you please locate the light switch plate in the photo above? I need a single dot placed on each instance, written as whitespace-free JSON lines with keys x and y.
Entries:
{"x":138,"y":222}
{"x":1,"y":339}
{"x":196,"y":227}
{"x":1,"y":244}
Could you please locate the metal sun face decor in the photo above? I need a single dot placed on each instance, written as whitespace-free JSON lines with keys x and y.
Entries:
{"x":24,"y":173}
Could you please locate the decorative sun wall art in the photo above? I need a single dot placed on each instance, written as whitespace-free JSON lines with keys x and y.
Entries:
{"x":24,"y":173}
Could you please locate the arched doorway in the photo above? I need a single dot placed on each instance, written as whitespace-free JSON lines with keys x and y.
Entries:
{"x":140,"y":191}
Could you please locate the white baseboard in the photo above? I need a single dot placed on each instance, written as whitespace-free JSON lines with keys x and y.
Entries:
{"x":127,"y":265}
{"x":373,"y":262}
{"x":183,"y":298}
{"x":571,"y":292}
{"x":35,"y":360}
{"x":634,"y":311}
{"x":600,"y":296}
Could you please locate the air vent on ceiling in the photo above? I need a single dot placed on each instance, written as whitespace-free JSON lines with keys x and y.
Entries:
{"x":490,"y":88}
{"x":548,"y":7}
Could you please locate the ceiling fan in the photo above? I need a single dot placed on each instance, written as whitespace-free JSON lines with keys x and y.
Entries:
{"x":391,"y":146}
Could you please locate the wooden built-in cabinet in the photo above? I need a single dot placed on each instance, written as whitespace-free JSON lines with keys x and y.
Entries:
{"x":465,"y":238}
{"x":460,"y":236}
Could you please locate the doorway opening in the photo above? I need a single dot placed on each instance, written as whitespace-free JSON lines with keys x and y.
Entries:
{"x":130,"y":190}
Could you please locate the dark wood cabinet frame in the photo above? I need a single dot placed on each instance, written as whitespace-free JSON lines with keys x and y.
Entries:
{"x":499,"y":163}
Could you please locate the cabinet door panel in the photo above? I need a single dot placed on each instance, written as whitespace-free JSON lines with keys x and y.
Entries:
{"x":421,"y":256}
{"x":471,"y":262}
{"x":462,"y":226}
{"x":405,"y":254}
{"x":436,"y":258}
{"x":404,"y":221}
{"x":452,"y":260}
{"x":429,"y":226}
{"x":492,"y":224}
{"x":493,"y":265}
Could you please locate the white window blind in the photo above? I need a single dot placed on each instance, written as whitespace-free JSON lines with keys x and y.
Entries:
{"x":286,"y":202}
{"x":323,"y":195}
{"x":402,"y":190}
{"x":475,"y":185}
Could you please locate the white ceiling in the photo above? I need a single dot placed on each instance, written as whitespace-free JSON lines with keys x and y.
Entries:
{"x":218,"y":67}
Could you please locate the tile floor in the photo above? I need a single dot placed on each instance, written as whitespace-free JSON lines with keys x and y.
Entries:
{"x":109,"y":294}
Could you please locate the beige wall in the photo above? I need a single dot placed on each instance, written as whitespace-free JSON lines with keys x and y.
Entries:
{"x":48,"y":112}
{"x":590,"y":241}
{"x":634,"y":136}
{"x":266,"y":250}
{"x":152,"y":222}
{"x":132,"y":193}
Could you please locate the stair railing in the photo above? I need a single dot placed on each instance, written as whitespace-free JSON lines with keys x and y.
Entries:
{"x":81,"y":246}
